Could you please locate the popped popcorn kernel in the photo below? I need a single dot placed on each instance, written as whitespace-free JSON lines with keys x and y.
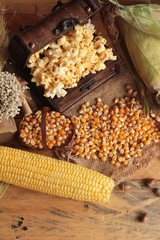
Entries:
{"x":72,"y":57}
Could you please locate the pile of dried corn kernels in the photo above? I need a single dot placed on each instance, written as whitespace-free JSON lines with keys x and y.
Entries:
{"x":117,"y":133}
{"x":58,"y":129}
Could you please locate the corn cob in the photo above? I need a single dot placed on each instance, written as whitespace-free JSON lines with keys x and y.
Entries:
{"x":48,"y":175}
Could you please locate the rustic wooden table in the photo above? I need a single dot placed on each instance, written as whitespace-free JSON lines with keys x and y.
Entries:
{"x":29,"y":215}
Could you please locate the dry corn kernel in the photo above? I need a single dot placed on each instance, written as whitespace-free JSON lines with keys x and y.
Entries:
{"x":113,"y":162}
{"x":134,"y":94}
{"x":58,"y":129}
{"x":118,"y":135}
{"x":124,"y":130}
{"x":118,"y":164}
{"x":125,"y":163}
{"x":128,"y":86}
{"x":130,"y":91}
{"x":103,"y":158}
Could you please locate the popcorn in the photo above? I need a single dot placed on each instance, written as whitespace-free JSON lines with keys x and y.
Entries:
{"x":56,"y":91}
{"x":60,"y":65}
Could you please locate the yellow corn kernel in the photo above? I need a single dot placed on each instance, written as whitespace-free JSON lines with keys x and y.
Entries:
{"x":52,"y":176}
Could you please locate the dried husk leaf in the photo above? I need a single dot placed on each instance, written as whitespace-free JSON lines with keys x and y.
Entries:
{"x":4,"y":39}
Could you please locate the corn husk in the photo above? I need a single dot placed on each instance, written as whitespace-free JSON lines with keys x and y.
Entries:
{"x":143,"y":17}
{"x":4,"y":39}
{"x":140,"y":29}
{"x":144,"y":51}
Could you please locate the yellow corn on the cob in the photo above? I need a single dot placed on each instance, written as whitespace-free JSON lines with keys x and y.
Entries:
{"x":48,"y":175}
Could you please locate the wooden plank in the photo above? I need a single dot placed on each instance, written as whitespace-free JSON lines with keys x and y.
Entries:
{"x":152,"y":171}
{"x":59,"y":218}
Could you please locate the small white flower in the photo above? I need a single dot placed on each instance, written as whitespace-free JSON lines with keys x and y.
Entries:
{"x":10,"y":95}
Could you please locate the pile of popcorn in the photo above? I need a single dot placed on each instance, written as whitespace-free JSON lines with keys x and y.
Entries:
{"x":60,"y":65}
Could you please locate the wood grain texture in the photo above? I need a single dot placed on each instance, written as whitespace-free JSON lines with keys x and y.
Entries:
{"x":30,"y":215}
{"x":38,"y":7}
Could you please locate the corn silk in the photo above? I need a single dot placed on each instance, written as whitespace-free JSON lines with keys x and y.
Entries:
{"x":140,"y":29}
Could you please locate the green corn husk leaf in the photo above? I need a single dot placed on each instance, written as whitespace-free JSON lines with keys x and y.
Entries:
{"x":144,"y":17}
{"x":144,"y":51}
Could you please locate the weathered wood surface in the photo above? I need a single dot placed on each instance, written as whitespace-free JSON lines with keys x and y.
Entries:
{"x":28,"y":215}
{"x":31,"y":215}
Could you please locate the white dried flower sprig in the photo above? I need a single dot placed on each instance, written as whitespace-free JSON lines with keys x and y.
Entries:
{"x":10,"y":95}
